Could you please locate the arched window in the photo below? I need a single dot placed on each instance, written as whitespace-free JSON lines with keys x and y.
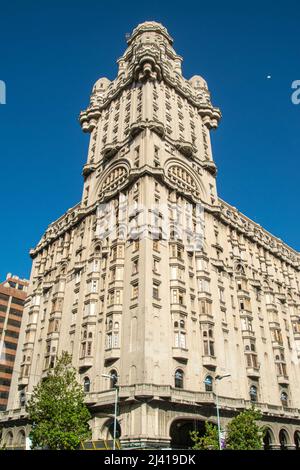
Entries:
{"x":253,"y":393}
{"x":22,"y":399}
{"x":9,"y":439}
{"x":114,"y":378}
{"x":176,"y":324}
{"x":208,"y":383}
{"x":297,"y":439}
{"x":179,"y":378}
{"x":284,"y":398}
{"x":21,"y":438}
{"x":86,"y":384}
{"x":90,"y":334}
{"x":181,"y":324}
{"x":283,"y":439}
{"x":110,"y":325}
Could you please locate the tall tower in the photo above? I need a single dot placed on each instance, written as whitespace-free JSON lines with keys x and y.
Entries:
{"x":154,"y":279}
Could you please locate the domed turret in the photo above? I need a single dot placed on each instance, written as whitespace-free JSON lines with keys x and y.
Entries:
{"x":198,"y":82}
{"x":101,"y":84}
{"x":150,"y":26}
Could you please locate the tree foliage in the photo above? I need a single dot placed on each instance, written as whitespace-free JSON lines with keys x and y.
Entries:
{"x":243,"y":432}
{"x":57,"y":409}
{"x":209,"y":441}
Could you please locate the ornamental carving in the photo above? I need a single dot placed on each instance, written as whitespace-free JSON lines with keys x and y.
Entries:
{"x":183,"y":179}
{"x":113,"y":180}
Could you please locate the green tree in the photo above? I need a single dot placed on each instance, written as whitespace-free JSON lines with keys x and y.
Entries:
{"x":209,"y":441}
{"x":243,"y":432}
{"x":57,"y":409}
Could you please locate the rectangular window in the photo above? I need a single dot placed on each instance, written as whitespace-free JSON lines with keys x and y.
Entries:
{"x":135,"y":266}
{"x":155,"y":245}
{"x":116,"y":340}
{"x":94,"y":286}
{"x":182,"y":341}
{"x":109,"y":340}
{"x":135,"y":290}
{"x":118,"y":297}
{"x":155,"y":292}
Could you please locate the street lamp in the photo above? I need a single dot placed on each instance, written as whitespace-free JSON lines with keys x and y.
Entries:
{"x":114,"y":378}
{"x":219,"y":377}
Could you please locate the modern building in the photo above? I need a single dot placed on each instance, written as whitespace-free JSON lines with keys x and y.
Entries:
{"x":154,"y":279}
{"x":13,"y":292}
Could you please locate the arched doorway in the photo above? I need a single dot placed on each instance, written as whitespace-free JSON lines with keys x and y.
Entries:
{"x":109,"y":426}
{"x":283,"y":439}
{"x":180,"y":432}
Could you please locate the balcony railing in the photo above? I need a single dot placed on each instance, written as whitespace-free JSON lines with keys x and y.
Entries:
{"x":172,"y":394}
{"x":209,"y":361}
{"x":180,"y":353}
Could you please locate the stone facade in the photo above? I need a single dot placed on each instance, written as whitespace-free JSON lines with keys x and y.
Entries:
{"x":118,"y":282}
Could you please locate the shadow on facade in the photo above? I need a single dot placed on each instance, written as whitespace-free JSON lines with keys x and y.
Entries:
{"x":180,"y":432}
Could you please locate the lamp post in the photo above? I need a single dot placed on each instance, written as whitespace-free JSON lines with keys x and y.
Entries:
{"x":115,"y":379}
{"x":219,"y":377}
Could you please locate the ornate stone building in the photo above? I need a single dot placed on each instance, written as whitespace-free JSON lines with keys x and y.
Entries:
{"x":119,"y":284}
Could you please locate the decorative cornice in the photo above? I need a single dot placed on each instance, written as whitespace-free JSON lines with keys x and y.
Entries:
{"x":228,"y":214}
{"x":231,"y":216}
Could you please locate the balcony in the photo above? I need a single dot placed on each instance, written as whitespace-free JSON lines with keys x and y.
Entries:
{"x":206,"y":318}
{"x":181,"y":354}
{"x":34,"y":309}
{"x":177,"y":307}
{"x":91,"y":296}
{"x":89,"y":319}
{"x":93,"y":274}
{"x":209,"y":361}
{"x":271,"y":306}
{"x":253,"y":372}
{"x":242,"y":293}
{"x":86,"y":362}
{"x":23,"y":381}
{"x":53,"y":335}
{"x":88,"y":169}
{"x":274,"y":324}
{"x":79,"y":265}
{"x":111,"y":149}
{"x":185,"y":147}
{"x":248,"y":334}
{"x":204,"y":295}
{"x":246,"y":313}
{"x":210,"y":166}
{"x":283,"y":379}
{"x":112,"y":354}
{"x":277,"y":344}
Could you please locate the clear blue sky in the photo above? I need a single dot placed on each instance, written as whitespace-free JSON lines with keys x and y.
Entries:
{"x":51,"y":53}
